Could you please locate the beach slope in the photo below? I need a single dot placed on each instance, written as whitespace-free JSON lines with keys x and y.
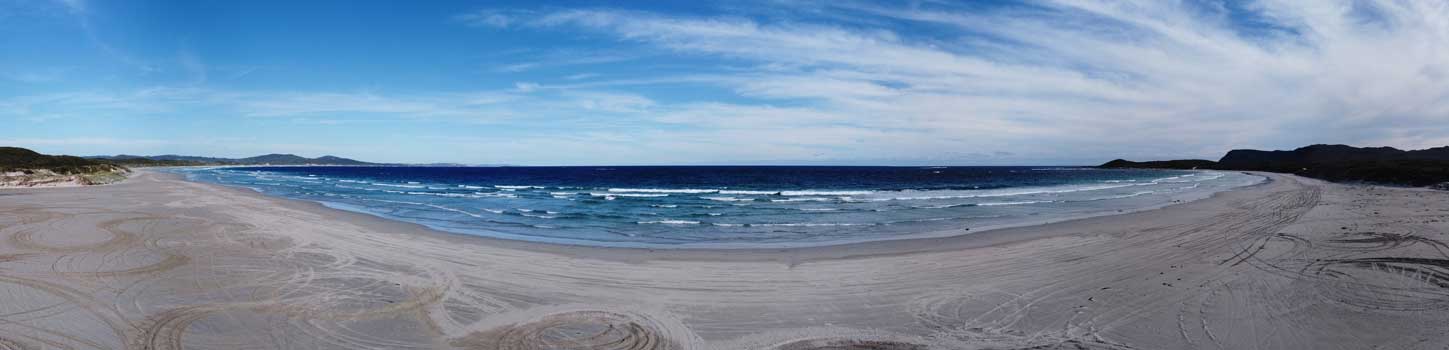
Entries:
{"x":157,"y":262}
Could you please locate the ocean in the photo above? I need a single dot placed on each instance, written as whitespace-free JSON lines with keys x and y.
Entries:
{"x":726,"y":206}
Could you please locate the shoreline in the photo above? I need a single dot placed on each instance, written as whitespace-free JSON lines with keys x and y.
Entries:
{"x":914,"y":243}
{"x":162,"y":263}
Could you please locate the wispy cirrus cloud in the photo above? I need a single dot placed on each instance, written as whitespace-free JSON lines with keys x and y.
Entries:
{"x":1181,"y":78}
{"x":495,"y":18}
{"x":565,"y":59}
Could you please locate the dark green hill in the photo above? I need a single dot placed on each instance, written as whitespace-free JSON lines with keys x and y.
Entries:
{"x":20,"y":159}
{"x":1342,"y":163}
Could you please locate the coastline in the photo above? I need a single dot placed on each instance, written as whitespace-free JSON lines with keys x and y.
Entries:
{"x":162,"y":263}
{"x":914,"y":243}
{"x":746,"y":247}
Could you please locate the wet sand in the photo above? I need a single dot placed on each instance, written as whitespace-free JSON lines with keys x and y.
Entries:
{"x":160,"y":263}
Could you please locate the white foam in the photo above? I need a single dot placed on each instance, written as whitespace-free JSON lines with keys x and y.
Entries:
{"x":663,"y":190}
{"x":454,"y":210}
{"x":454,"y":195}
{"x":392,"y":201}
{"x":728,"y":199}
{"x":989,"y":204}
{"x":669,"y":222}
{"x":793,"y":224}
{"x":803,"y":199}
{"x":961,"y":194}
{"x":496,"y":195}
{"x":638,"y":195}
{"x":747,"y":192}
{"x":824,"y":193}
{"x":942,"y":206}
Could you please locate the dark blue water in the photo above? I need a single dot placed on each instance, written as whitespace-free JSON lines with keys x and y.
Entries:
{"x":725,"y":206}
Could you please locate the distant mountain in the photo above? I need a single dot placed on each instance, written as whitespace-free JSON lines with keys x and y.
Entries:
{"x":268,"y":159}
{"x":190,"y":158}
{"x":1329,"y":162}
{"x":280,"y":159}
{"x":1163,"y":164}
{"x":335,"y":160}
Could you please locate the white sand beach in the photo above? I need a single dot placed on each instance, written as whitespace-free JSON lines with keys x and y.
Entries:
{"x":157,"y":262}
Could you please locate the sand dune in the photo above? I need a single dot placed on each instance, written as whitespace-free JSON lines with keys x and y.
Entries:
{"x":160,"y":263}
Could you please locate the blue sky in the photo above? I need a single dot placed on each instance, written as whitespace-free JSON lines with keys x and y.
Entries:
{"x":763,"y":82}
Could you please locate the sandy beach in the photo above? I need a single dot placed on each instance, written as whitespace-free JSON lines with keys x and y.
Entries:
{"x":157,"y":262}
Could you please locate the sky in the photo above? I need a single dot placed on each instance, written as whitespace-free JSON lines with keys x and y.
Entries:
{"x":1049,"y":82}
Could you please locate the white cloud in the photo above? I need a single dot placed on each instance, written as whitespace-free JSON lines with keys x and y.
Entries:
{"x":490,"y":18}
{"x":611,"y":102}
{"x":581,"y":76}
{"x":1086,"y":78}
{"x":525,"y":87}
{"x":565,"y":58}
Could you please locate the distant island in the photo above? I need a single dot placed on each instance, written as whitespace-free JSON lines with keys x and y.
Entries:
{"x":1339,"y":163}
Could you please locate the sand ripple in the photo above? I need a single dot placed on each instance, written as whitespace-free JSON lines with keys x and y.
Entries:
{"x":581,"y":330}
{"x":850,"y":344}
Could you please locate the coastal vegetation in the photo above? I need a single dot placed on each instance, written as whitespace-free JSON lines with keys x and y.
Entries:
{"x":1340,"y":163}
{"x":148,"y":162}
{"x":21,"y":167}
